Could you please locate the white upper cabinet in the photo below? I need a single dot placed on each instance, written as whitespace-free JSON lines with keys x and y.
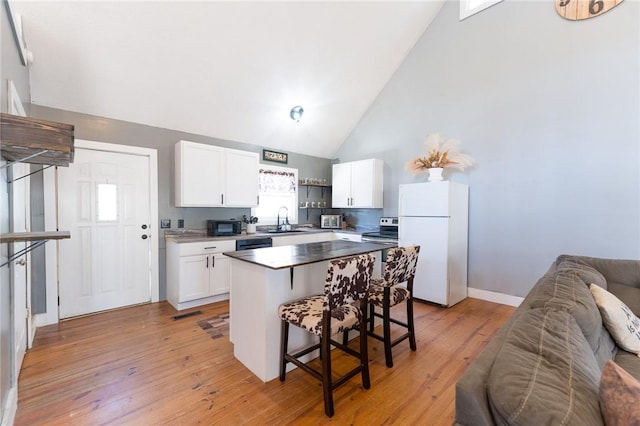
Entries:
{"x":357,"y":184}
{"x":242,"y":179}
{"x":341,"y":185}
{"x":199,"y":180}
{"x":211,"y":176}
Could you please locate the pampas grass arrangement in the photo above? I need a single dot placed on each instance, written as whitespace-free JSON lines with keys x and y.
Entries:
{"x":441,"y":153}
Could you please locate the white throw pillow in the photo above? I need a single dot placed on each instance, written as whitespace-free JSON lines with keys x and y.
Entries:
{"x":621,"y":322}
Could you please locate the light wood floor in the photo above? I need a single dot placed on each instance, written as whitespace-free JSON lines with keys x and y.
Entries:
{"x":137,"y":366}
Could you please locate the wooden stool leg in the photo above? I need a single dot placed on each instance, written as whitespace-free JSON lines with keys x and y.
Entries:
{"x":371,"y":318}
{"x":325,"y":348}
{"x":284,"y":341}
{"x":386,"y":325}
{"x":364,"y":351}
{"x":412,"y":333}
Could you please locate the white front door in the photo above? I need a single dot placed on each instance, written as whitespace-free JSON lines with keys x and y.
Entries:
{"x":104,"y":201}
{"x":20,"y":216}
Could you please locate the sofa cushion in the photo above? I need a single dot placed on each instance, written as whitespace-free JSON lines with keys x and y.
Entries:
{"x":630,"y":362}
{"x":567,"y":288}
{"x":588,"y":274}
{"x":621,"y":271}
{"x":545,"y":373}
{"x":619,"y":397}
{"x":630,"y":296}
{"x":621,"y":322}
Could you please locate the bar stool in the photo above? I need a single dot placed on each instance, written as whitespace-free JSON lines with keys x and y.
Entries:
{"x":388,"y":292}
{"x":343,"y":306}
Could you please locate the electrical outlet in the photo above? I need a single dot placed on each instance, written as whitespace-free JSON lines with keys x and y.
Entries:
{"x":165,"y":223}
{"x":180,"y":223}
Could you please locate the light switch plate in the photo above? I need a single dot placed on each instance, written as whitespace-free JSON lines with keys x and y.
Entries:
{"x":165,"y":223}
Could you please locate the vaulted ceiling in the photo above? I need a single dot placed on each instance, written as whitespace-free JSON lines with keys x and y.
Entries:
{"x":230,"y":70}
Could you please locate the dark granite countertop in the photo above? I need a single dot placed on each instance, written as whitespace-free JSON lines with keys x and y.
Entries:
{"x":303,"y":254}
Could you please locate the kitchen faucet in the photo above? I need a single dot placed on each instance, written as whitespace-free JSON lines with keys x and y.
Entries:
{"x":286,"y":218}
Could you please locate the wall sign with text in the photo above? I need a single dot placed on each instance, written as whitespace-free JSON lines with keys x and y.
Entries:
{"x":278,"y":157}
{"x":584,"y":9}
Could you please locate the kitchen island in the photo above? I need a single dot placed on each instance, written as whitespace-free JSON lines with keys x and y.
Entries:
{"x":263,"y":279}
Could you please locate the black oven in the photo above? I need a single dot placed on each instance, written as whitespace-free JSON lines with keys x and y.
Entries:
{"x":218,"y":228}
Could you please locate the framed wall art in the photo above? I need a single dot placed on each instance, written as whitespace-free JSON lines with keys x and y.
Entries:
{"x":276,"y":157}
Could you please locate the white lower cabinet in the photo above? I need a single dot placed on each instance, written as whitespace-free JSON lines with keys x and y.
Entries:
{"x":197,"y":273}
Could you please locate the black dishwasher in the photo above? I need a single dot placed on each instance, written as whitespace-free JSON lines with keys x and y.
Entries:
{"x":253,"y":243}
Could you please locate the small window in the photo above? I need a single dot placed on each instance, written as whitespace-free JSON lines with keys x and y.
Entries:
{"x":470,"y":7}
{"x":278,"y":189}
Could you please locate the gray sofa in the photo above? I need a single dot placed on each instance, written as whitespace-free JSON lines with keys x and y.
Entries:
{"x":543,"y":366}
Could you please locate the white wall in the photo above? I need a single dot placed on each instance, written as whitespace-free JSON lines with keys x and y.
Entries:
{"x":549,"y":109}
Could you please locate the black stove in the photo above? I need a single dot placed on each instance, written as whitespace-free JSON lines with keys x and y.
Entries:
{"x":388,"y":231}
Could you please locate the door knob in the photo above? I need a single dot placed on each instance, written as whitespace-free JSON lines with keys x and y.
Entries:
{"x":21,"y":262}
{"x":145,"y":236}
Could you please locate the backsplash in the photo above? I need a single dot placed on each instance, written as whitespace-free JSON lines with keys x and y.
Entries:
{"x":196,"y":217}
{"x":362,"y":219}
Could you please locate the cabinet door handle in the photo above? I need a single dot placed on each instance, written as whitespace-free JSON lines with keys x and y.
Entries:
{"x":207,"y":262}
{"x":221,"y":198}
{"x":213,"y":261}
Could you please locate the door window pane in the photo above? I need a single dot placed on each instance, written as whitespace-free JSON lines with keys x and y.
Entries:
{"x":107,"y":202}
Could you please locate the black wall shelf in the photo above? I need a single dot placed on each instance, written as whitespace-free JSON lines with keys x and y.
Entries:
{"x":322,"y":195}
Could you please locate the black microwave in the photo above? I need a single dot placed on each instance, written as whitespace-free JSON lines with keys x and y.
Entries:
{"x":218,"y":228}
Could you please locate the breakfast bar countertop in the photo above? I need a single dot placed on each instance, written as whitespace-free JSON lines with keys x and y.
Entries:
{"x":304,"y":254}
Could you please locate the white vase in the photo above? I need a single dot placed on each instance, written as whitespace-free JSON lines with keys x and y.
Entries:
{"x":435,"y":174}
{"x":251,"y":228}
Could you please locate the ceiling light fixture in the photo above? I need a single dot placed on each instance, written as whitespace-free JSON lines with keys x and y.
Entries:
{"x":296,"y":113}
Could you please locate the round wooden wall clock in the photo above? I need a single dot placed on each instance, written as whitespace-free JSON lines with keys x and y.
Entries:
{"x":584,"y":9}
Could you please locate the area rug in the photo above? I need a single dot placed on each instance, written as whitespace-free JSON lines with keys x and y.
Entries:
{"x":216,"y":326}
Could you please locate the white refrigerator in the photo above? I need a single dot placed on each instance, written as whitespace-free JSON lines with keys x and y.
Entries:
{"x":435,"y":215}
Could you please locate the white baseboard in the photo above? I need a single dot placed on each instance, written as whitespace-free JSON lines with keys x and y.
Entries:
{"x":10,"y":408}
{"x":199,"y":302}
{"x":44,"y":319}
{"x":32,"y":330}
{"x":492,"y":296}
